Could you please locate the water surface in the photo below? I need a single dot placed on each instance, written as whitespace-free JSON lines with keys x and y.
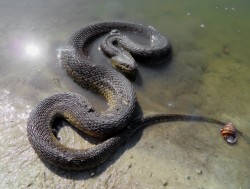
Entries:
{"x":208,"y":75}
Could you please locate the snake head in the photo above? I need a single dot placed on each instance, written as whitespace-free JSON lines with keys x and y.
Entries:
{"x":121,"y":59}
{"x":229,"y":133}
{"x":124,"y":62}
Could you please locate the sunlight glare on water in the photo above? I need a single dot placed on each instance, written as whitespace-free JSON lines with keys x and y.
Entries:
{"x":32,"y":50}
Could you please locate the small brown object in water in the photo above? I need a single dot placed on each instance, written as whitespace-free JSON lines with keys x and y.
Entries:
{"x":229,"y":133}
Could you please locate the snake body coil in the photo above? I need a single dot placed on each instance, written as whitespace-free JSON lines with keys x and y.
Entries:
{"x":116,"y":122}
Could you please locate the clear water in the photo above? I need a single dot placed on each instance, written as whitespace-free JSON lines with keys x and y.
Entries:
{"x":209,"y":75}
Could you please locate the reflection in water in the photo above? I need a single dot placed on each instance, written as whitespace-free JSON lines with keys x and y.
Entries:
{"x":27,"y":48}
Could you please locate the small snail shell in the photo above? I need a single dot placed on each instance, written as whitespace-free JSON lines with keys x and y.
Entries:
{"x":229,"y":133}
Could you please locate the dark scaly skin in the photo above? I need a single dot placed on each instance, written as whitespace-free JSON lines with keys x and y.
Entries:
{"x":110,"y":84}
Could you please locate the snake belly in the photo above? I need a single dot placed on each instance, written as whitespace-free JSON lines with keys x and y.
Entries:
{"x":107,"y":82}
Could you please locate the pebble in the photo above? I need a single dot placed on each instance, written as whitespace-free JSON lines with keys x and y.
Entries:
{"x":198,"y":171}
{"x":164,"y":183}
{"x":130,"y":165}
{"x":197,"y":147}
{"x":171,"y":105}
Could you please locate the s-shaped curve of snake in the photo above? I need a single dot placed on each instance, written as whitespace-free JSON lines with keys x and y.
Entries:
{"x":117,"y":123}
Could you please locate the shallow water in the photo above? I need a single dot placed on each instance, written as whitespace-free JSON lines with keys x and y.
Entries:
{"x":208,"y":75}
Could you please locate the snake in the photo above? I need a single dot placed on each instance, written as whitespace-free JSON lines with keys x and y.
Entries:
{"x":118,"y":122}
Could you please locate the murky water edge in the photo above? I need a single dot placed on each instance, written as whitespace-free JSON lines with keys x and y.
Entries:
{"x":208,"y":75}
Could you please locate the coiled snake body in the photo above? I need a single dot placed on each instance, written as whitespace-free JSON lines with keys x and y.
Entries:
{"x":116,"y":122}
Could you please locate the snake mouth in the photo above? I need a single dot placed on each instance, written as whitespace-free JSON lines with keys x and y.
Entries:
{"x":124,"y":64}
{"x":124,"y":69}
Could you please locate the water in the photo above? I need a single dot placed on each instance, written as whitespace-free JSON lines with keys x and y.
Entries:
{"x":209,"y":75}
